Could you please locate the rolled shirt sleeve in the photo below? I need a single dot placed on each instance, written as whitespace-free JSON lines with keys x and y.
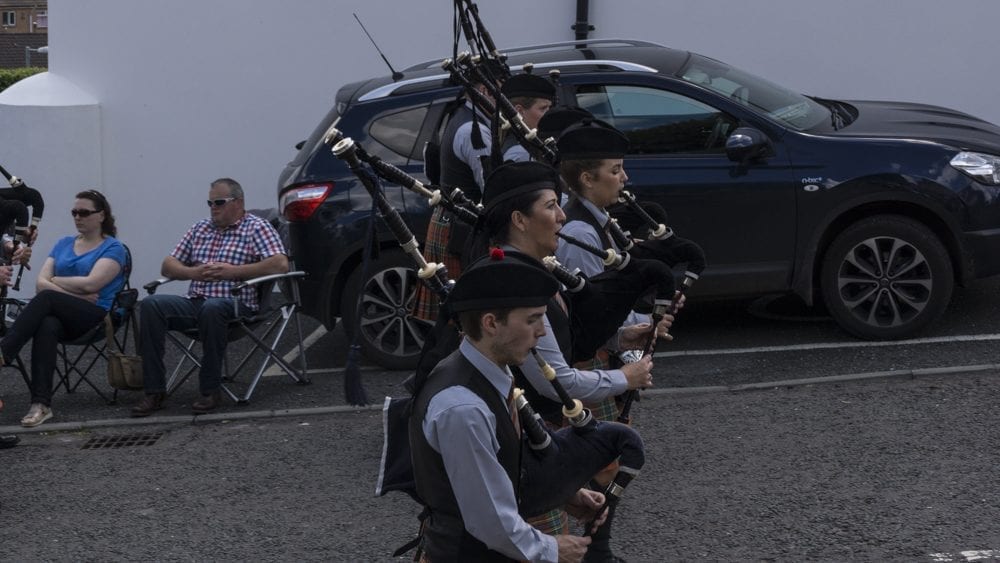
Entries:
{"x":587,"y":385}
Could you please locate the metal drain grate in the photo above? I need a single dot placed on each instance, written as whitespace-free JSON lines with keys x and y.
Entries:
{"x":122,"y":441}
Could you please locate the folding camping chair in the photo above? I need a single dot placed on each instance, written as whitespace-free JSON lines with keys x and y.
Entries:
{"x":78,"y":363}
{"x":77,"y":357}
{"x":264,"y":328}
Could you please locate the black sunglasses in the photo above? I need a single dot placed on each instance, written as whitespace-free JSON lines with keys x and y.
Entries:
{"x":83,"y":212}
{"x":219,"y":202}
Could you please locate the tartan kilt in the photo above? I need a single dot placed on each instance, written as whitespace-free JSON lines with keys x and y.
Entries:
{"x":605,"y":409}
{"x":425,"y":305}
{"x":554,"y":522}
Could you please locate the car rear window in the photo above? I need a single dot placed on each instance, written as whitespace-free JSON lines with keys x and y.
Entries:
{"x":398,"y":131}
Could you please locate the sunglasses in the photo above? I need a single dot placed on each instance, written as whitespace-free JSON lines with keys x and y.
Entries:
{"x":83,"y":212}
{"x":219,"y":202}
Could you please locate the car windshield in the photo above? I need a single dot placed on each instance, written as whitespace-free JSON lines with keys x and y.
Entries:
{"x":788,"y":107}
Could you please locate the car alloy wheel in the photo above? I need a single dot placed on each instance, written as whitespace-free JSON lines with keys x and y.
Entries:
{"x":885,"y":281}
{"x":390,"y":335}
{"x":886,"y":277}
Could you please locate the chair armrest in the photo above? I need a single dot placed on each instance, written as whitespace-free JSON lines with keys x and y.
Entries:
{"x":151,"y":286}
{"x":126,"y":298}
{"x":263,"y":279}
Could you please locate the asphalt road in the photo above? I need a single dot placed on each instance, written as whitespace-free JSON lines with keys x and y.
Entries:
{"x":883,"y":467}
{"x":885,"y":470}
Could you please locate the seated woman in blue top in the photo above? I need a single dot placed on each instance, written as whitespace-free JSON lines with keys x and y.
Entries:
{"x":76,"y":286}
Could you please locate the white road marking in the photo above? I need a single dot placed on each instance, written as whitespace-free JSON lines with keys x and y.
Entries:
{"x":321,"y":330}
{"x":831,"y":346}
{"x":976,"y":555}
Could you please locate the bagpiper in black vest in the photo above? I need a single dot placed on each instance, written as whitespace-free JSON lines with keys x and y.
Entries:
{"x":455,"y":173}
{"x":444,"y":536}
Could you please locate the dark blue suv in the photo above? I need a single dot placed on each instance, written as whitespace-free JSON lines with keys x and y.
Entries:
{"x":874,"y":208}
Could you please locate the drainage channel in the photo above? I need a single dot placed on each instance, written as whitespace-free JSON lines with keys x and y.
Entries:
{"x":122,"y":441}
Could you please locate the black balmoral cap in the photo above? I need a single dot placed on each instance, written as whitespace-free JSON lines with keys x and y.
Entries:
{"x":592,"y":139}
{"x":497,"y":283}
{"x":556,"y":120}
{"x":528,"y":86}
{"x":516,"y":178}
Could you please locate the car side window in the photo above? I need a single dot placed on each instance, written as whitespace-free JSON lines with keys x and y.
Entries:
{"x":395,"y":135}
{"x":658,"y":121}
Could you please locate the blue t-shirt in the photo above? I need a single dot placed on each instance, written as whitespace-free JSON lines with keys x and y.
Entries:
{"x":69,"y":264}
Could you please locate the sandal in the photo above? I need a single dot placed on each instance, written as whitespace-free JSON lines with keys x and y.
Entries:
{"x":37,"y":414}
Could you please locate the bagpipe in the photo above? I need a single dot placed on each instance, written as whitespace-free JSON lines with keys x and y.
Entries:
{"x":564,"y":461}
{"x":454,"y":201}
{"x":484,"y":64}
{"x":26,"y":196}
{"x":560,"y":463}
{"x":596,"y":315}
{"x":14,"y":203}
{"x":467,"y":70}
{"x":664,"y":246}
{"x":598,"y":305}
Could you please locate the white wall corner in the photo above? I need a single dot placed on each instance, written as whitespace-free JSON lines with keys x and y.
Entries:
{"x":51,"y":138}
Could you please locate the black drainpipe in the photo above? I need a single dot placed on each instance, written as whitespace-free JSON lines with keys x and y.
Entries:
{"x":582,"y":26}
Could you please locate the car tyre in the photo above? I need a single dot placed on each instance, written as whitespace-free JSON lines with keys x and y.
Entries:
{"x":886,"y":277}
{"x":390,"y":336}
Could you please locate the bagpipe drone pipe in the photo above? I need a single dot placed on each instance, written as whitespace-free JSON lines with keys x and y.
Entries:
{"x":12,"y":213}
{"x":560,"y":463}
{"x":485,"y":65}
{"x":20,"y":193}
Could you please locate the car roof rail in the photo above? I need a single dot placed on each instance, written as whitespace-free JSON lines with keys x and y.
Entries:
{"x":390,"y":89}
{"x":583,"y":44}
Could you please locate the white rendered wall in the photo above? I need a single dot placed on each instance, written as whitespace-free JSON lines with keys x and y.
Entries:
{"x":191,"y":90}
{"x":51,"y":139}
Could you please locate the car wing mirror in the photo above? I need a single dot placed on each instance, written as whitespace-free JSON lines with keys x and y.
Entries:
{"x":747,"y":144}
{"x":300,"y":144}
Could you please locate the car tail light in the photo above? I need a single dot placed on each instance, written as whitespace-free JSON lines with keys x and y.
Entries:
{"x":298,"y":204}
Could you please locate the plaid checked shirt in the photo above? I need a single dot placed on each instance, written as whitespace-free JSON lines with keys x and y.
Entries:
{"x":250,"y":240}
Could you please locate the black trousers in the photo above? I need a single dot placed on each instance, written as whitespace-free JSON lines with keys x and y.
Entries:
{"x":51,"y":316}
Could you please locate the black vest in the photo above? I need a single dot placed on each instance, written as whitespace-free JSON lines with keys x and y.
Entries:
{"x":444,"y":535}
{"x":454,"y":172}
{"x":575,"y":211}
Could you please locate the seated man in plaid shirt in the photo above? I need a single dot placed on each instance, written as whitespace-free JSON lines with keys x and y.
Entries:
{"x":215,"y":254}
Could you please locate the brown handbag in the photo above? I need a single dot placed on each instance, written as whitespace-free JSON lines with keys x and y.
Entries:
{"x":124,"y":370}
